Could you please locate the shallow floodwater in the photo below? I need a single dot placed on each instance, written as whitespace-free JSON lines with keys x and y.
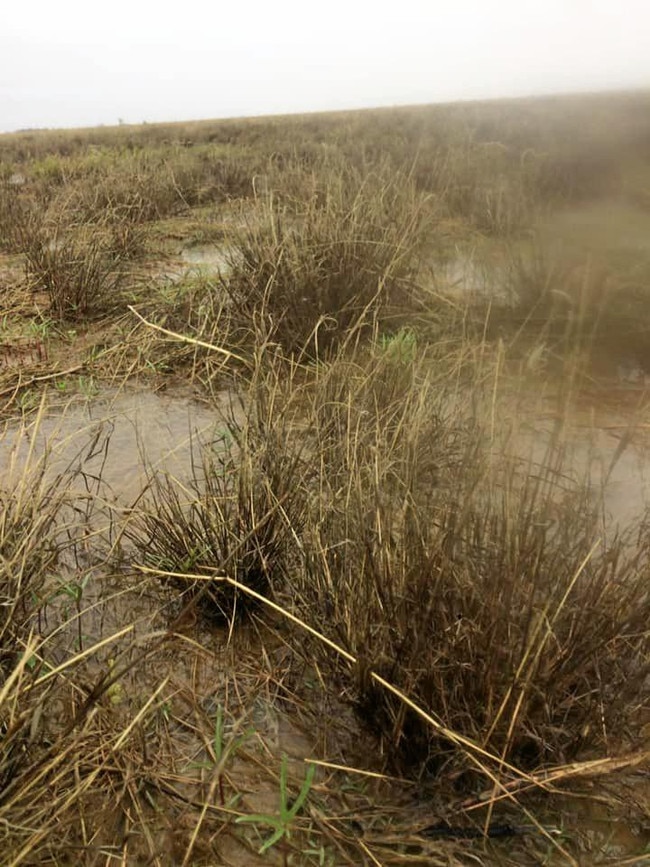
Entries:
{"x":609,"y":449}
{"x":119,"y":434}
{"x":208,"y":257}
{"x":122,"y":435}
{"x":465,"y":276}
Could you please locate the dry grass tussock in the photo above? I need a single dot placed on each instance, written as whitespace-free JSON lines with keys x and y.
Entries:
{"x":573,"y":306}
{"x":308,"y":269}
{"x":81,"y":267}
{"x":484,"y":590}
{"x":476,"y":582}
{"x":241,"y":514}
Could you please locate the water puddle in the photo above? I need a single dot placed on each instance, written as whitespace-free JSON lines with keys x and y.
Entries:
{"x":205,"y":260}
{"x":465,"y":276}
{"x":125,"y":430}
{"x":468,"y":275}
{"x":125,"y":434}
{"x":605,"y":445}
{"x":207,"y":679}
{"x":208,"y":258}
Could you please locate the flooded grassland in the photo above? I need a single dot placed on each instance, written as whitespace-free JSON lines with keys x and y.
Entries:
{"x":323,"y":495}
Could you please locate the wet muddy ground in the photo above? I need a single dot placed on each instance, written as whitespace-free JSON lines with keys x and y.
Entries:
{"x":205,"y":676}
{"x":201,"y":673}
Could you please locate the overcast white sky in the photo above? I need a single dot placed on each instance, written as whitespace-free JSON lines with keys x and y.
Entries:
{"x":81,"y":63}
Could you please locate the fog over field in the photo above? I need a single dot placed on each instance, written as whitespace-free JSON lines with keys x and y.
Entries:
{"x":71,"y":64}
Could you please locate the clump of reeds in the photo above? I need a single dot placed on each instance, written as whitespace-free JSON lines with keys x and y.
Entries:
{"x":82,"y":268}
{"x":30,"y":544}
{"x":30,"y":505}
{"x":240,"y":516}
{"x":307,"y":271}
{"x":12,"y":212}
{"x":482,"y":588}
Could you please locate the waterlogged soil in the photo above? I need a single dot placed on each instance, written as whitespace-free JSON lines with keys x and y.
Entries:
{"x":205,"y":678}
{"x":121,"y":436}
{"x":207,"y":258}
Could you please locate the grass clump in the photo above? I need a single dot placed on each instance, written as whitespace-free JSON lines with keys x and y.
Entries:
{"x":306,"y":274}
{"x":366,"y":496}
{"x":240,"y":515}
{"x":81,"y":268}
{"x":32,"y":537}
{"x":485,"y":593}
{"x":30,"y":543}
{"x":11,"y":210}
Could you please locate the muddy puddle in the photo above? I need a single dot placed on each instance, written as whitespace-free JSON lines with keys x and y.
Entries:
{"x":117,"y":434}
{"x":607,"y":450}
{"x":121,"y":437}
{"x":466,"y":276}
{"x":207,"y":258}
{"x":197,"y":261}
{"x":108,"y":445}
{"x":203,"y":677}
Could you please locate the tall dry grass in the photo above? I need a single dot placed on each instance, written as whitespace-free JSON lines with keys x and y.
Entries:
{"x":81,"y":267}
{"x":306,"y":272}
{"x":476,"y":579}
{"x":484,"y":589}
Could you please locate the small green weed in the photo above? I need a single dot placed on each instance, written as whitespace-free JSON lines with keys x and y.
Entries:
{"x":400,"y":347}
{"x":74,"y":590}
{"x":282,"y":822}
{"x":222,"y":749}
